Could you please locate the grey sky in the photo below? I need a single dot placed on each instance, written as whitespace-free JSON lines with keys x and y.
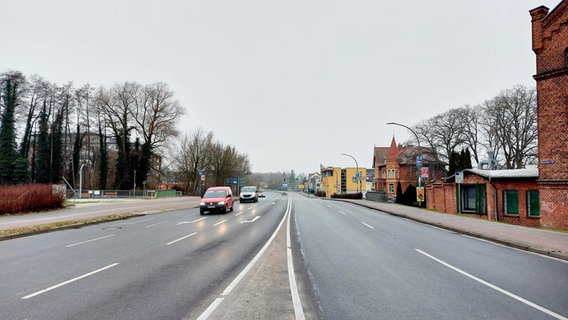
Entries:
{"x":293,"y":84}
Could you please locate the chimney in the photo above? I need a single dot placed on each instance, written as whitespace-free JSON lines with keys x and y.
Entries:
{"x":537,"y":14}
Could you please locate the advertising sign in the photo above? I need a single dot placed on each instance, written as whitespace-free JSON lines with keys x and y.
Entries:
{"x":424,"y":172}
{"x":420,"y":194}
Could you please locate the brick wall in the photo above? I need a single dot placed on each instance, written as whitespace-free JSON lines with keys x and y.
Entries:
{"x":550,"y":44}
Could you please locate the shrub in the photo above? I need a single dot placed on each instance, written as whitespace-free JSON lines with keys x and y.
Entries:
{"x":29,"y":198}
{"x":320,"y":193}
{"x":348,"y":195}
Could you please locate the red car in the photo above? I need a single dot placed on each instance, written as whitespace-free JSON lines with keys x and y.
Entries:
{"x":217,"y":199}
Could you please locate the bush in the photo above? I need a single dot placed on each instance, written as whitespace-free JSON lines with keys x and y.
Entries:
{"x":347,"y":195}
{"x":320,"y":194}
{"x":29,"y":198}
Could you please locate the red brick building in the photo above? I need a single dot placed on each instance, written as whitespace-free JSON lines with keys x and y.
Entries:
{"x":509,"y":196}
{"x":396,"y":164}
{"x":550,"y":44}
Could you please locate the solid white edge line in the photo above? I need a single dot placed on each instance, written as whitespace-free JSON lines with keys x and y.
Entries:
{"x":83,"y":242}
{"x":494,"y":287}
{"x":296,"y":302}
{"x":241,"y":275}
{"x":68,"y":281}
{"x":189,"y":235}
{"x":209,"y":311}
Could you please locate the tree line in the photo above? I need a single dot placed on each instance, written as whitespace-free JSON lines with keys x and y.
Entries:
{"x":505,"y":124}
{"x":117,"y":137}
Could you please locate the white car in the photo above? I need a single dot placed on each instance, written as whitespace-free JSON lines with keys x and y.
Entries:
{"x":248,"y":193}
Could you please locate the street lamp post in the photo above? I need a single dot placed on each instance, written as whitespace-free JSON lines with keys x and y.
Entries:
{"x":357,"y":168}
{"x":81,"y":180}
{"x":419,"y":160}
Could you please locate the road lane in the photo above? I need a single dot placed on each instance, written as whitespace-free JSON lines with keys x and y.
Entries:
{"x":149,"y":278}
{"x":366,"y":265}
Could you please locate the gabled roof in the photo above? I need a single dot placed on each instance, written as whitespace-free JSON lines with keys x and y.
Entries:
{"x":380,"y":156}
{"x":556,"y":13}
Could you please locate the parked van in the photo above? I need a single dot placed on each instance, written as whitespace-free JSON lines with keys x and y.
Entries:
{"x":216,"y":199}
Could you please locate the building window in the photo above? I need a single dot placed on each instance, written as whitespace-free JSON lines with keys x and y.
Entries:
{"x":533,"y":203}
{"x":511,"y":202}
{"x":391,"y":188}
{"x":468,"y":198}
{"x":390,"y":173}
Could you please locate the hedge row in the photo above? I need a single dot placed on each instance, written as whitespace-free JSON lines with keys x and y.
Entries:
{"x":29,"y":198}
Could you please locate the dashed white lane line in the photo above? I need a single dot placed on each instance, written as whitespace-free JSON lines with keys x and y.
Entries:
{"x":182,"y":238}
{"x":156,"y":224}
{"x":190,"y":222}
{"x":69,"y":281}
{"x":494,"y":287}
{"x":250,"y":221}
{"x":368,"y":226}
{"x":87,"y":241}
{"x":220,"y":222}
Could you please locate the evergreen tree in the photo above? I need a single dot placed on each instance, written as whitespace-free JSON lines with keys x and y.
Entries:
{"x":454,"y":163}
{"x":75,"y":163}
{"x":8,"y":144}
{"x":465,"y":159}
{"x":57,"y":148}
{"x":43,"y":160}
{"x":399,"y":195}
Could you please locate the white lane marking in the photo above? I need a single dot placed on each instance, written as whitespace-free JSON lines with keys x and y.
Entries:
{"x":296,"y":302}
{"x":189,"y":235}
{"x":343,"y":213}
{"x":368,"y":226}
{"x":218,"y":223}
{"x":69,"y":281}
{"x":238,"y":214}
{"x":235,"y":282}
{"x":251,"y":221}
{"x":494,"y":287}
{"x":194,"y":221}
{"x":83,"y":242}
{"x":156,"y":224}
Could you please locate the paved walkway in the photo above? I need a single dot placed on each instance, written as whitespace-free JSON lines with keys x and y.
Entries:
{"x":94,"y":208}
{"x":551,"y":243}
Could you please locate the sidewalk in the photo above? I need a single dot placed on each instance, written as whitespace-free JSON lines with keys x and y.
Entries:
{"x":546,"y":242}
{"x":86,"y":209}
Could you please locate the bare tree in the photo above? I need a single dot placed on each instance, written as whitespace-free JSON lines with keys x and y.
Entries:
{"x":513,"y":121}
{"x":193,"y":157}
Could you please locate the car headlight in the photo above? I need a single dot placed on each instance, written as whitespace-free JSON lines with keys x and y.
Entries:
{"x":222,"y":202}
{"x":202,"y":203}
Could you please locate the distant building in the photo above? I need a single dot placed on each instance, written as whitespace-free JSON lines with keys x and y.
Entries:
{"x":397,"y":164}
{"x":335,"y":180}
{"x":550,"y":44}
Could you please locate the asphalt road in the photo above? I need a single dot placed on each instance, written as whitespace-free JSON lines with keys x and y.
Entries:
{"x":368,"y":265}
{"x":349,"y":262}
{"x":164,"y":266}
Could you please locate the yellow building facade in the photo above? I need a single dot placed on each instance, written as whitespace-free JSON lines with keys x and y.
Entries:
{"x":335,"y":180}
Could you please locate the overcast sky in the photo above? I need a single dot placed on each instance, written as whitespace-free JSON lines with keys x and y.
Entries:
{"x":293,"y":84}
